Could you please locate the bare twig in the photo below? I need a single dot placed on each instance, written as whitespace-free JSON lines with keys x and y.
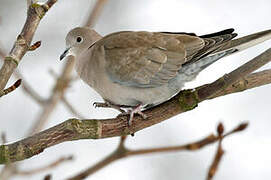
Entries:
{"x":29,"y":90}
{"x":219,"y":153}
{"x":95,"y":13}
{"x":34,"y":15}
{"x":123,"y":152}
{"x":34,"y":46}
{"x":29,"y":2}
{"x":2,"y":54}
{"x":45,"y":168}
{"x":11,"y":88}
{"x":48,"y":177}
{"x":25,"y":86}
{"x":71,"y":108}
{"x":3,"y":138}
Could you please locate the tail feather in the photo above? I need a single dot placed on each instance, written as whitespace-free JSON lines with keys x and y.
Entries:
{"x":220,"y":33}
{"x":246,"y":42}
{"x":234,"y":46}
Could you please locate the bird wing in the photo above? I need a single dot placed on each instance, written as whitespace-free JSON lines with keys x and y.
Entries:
{"x":147,"y":59}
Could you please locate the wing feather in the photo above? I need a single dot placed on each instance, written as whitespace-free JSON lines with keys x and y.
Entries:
{"x":146,"y":59}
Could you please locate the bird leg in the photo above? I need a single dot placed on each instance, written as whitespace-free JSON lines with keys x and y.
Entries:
{"x":108,"y":104}
{"x":134,"y":110}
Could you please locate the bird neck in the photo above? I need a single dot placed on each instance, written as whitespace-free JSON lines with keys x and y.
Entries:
{"x":84,"y":66}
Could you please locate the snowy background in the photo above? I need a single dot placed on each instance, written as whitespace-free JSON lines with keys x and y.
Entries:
{"x":247,"y":153}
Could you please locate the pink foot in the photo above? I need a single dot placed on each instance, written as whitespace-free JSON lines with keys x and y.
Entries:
{"x":135,"y":110}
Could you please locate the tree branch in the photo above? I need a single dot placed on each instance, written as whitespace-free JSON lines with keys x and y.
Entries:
{"x":74,"y":129}
{"x":34,"y":15}
{"x":71,"y":108}
{"x":25,"y":86}
{"x":123,"y":152}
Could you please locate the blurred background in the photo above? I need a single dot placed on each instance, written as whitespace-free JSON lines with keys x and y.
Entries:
{"x":247,"y":153}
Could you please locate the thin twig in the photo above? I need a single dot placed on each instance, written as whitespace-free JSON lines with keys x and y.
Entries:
{"x":95,"y":13}
{"x":11,"y":88}
{"x":3,"y":138}
{"x":48,"y":177}
{"x":29,"y":2}
{"x":71,"y":108}
{"x":29,"y":90}
{"x":45,"y":168}
{"x":219,"y":153}
{"x":2,"y":54}
{"x":21,"y":45}
{"x":34,"y":46}
{"x":123,"y":152}
{"x":25,"y":86}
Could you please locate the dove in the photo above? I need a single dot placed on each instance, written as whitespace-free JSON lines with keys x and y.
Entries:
{"x":140,"y":69}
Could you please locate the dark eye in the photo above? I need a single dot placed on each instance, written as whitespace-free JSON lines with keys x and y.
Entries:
{"x":79,"y":39}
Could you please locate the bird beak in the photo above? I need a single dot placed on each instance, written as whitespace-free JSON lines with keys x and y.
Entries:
{"x":65,"y":53}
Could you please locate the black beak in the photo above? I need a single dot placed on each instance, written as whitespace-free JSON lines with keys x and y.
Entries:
{"x":64,"y":54}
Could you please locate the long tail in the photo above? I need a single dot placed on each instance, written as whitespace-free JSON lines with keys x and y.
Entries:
{"x":234,"y":46}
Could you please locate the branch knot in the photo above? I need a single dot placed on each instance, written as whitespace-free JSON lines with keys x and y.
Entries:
{"x":188,"y":99}
{"x":12,"y":59}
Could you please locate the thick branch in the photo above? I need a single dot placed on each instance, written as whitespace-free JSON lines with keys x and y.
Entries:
{"x":34,"y":15}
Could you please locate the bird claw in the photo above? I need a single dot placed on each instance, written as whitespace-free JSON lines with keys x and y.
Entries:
{"x":132,"y":112}
{"x":99,"y":104}
{"x":108,"y":105}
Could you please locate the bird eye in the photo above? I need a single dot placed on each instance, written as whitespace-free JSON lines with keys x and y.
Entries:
{"x":79,"y":39}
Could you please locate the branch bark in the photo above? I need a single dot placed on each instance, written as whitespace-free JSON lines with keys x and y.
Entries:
{"x":74,"y":129}
{"x":34,"y":14}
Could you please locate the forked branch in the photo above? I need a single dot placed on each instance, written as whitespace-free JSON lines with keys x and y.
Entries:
{"x":35,"y":13}
{"x":124,"y":152}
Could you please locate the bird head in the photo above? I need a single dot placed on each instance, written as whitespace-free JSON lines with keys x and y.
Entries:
{"x":78,"y":40}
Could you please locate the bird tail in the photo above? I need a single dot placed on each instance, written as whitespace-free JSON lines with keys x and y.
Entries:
{"x":234,"y":46}
{"x":246,"y":42}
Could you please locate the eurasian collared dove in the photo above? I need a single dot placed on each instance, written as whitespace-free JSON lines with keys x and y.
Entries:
{"x":143,"y":69}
